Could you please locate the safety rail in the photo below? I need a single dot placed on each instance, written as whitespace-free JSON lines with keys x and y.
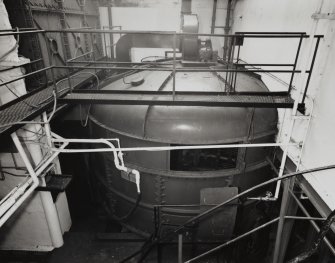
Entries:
{"x":237,"y":40}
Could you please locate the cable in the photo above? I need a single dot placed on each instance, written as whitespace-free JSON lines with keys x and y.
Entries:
{"x":208,"y":212}
{"x":129,"y":214}
{"x":12,"y":174}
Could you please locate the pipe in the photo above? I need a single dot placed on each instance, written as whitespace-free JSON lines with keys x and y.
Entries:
{"x":180,"y":248}
{"x":306,"y":218}
{"x":25,"y":194}
{"x":163,"y":148}
{"x":259,"y":35}
{"x":117,"y":153}
{"x":49,"y":207}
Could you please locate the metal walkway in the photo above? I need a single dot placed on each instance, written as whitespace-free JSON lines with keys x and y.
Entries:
{"x":32,"y":104}
{"x":167,"y":98}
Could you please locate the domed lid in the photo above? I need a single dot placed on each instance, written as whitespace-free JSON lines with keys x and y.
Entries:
{"x":186,"y":124}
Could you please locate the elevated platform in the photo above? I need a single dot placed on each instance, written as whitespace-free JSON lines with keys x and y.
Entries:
{"x":166,"y":98}
{"x":32,"y":104}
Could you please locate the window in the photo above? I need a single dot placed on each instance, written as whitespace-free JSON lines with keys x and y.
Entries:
{"x":203,"y":159}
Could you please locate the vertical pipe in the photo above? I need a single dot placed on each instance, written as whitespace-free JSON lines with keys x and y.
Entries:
{"x":295,"y":64}
{"x":174,"y":66}
{"x":180,"y":248}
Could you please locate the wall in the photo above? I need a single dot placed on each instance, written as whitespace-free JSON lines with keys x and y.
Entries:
{"x":286,"y":15}
{"x":158,"y":15}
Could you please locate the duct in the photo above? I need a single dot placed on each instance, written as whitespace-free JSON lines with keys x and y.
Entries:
{"x":129,"y":41}
{"x":186,"y":6}
{"x":190,"y":44}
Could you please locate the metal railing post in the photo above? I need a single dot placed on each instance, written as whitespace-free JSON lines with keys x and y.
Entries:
{"x":174,"y":66}
{"x":311,"y":68}
{"x":295,"y":63}
{"x":50,"y":58}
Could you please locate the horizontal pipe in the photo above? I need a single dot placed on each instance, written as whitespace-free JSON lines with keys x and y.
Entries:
{"x":88,"y":31}
{"x":163,"y":148}
{"x":21,"y":32}
{"x":18,"y":29}
{"x":260,"y":35}
{"x":71,"y":30}
{"x":305,"y":218}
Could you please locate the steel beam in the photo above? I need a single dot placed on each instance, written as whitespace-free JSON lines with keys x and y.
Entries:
{"x":178,"y":99}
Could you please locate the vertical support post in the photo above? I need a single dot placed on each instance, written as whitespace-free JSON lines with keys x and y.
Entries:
{"x":93,"y":53}
{"x":105,"y":45}
{"x":66,"y":63}
{"x":311,"y":68}
{"x":231,"y":76}
{"x":277,"y":258}
{"x":226,"y":30}
{"x":174,"y":66}
{"x":295,"y":63}
{"x":180,"y":248}
{"x":215,"y":2}
{"x":238,"y":58}
{"x":110,"y":23}
{"x":51,"y":63}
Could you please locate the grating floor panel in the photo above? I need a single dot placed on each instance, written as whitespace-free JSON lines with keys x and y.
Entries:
{"x":32,"y":105}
